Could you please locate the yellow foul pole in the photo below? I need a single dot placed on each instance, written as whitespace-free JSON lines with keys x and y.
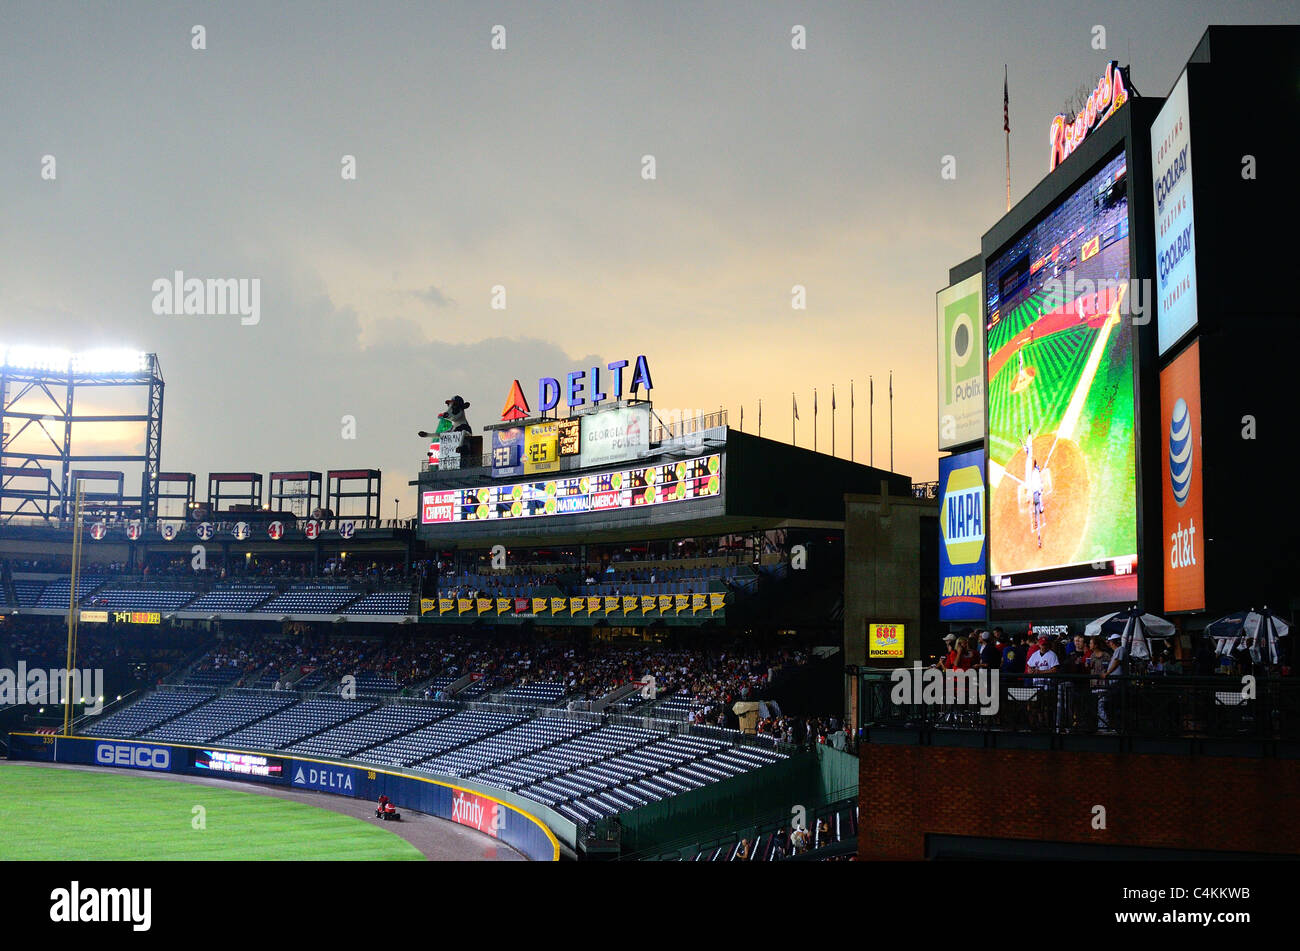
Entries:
{"x":72,"y":610}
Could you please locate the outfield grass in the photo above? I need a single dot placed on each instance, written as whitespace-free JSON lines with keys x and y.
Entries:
{"x":72,"y":814}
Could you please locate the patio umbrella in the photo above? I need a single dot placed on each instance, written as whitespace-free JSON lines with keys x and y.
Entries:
{"x":1259,"y":630}
{"x":1135,"y":629}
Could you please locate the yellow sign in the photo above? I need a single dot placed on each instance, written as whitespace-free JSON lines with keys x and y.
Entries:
{"x":885,"y":640}
{"x":629,"y":604}
{"x":539,"y":605}
{"x":716,"y":601}
{"x":665,"y":603}
{"x":137,"y":617}
{"x":541,"y":448}
{"x":647,"y":603}
{"x":611,"y":605}
{"x":94,"y":617}
{"x":697,"y":603}
{"x":445,"y":605}
{"x":681,"y":602}
{"x":576,"y":605}
{"x":464,"y":605}
{"x":484,"y":605}
{"x":503,"y":605}
{"x":557,"y":605}
{"x":593,"y":605}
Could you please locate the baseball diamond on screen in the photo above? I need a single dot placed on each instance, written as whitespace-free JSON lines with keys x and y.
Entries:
{"x":1062,"y":474}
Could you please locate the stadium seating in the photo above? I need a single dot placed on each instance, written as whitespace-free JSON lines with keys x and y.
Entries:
{"x":148,"y":713}
{"x":440,"y":737}
{"x":28,"y":591}
{"x":232,"y":599}
{"x":140,"y":599}
{"x":310,"y":599}
{"x":383,"y":603}
{"x":56,"y":592}
{"x":372,"y":729}
{"x":297,"y":722}
{"x":215,"y":719}
{"x":537,"y":694}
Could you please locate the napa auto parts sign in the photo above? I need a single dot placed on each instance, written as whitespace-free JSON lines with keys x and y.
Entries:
{"x":478,"y":812}
{"x":1109,"y":95}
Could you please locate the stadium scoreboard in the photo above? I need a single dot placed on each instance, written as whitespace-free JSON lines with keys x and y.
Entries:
{"x":623,"y":489}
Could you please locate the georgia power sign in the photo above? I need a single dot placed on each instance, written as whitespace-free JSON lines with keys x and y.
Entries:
{"x":963,"y":581}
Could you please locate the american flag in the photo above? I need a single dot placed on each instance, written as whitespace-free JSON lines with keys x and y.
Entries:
{"x":1006,"y":103}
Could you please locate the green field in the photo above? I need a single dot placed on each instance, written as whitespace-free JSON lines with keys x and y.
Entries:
{"x":72,"y":814}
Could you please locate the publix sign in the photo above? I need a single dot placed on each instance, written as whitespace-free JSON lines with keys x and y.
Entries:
{"x":963,"y":513}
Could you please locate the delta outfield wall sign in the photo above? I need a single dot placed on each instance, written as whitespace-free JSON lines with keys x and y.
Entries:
{"x":1111,"y":93}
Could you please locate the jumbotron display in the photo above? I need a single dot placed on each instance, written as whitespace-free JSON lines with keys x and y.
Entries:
{"x":1062,"y":472}
{"x":602,"y":491}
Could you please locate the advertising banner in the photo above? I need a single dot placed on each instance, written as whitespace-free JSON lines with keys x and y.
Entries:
{"x":478,"y":812}
{"x":507,"y":452}
{"x":1171,"y":178}
{"x":541,"y":448}
{"x":325,"y":776}
{"x":885,"y":641}
{"x":961,"y":363}
{"x":963,"y":581}
{"x":1180,"y":466}
{"x":449,"y":454}
{"x":615,"y":435}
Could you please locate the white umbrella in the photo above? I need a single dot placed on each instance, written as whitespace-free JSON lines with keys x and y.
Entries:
{"x":1135,"y":629}
{"x":1258,"y":629}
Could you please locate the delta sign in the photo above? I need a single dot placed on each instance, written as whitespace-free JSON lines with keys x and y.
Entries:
{"x":963,"y":580}
{"x":574,"y":390}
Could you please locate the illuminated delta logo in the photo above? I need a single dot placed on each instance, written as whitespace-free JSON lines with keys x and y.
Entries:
{"x":1180,"y":452}
{"x":963,"y":515}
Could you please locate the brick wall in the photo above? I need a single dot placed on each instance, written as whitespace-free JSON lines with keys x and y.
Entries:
{"x":1151,"y":800}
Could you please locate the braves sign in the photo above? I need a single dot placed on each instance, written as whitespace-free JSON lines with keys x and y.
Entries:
{"x":1109,"y":95}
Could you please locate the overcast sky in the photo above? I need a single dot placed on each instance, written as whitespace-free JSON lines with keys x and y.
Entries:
{"x":523,"y":168}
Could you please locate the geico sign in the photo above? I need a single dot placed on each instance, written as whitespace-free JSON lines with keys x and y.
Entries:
{"x":139,"y":757}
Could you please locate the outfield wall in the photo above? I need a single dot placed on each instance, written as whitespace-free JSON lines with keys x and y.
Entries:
{"x":466,"y":804}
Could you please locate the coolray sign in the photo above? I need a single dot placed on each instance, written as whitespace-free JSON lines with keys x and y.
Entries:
{"x":963,"y":516}
{"x":133,"y":756}
{"x":961,"y":363}
{"x":1180,"y":465}
{"x":1171,"y":177}
{"x":335,"y":779}
{"x":574,"y":389}
{"x":1109,"y":95}
{"x":478,"y":812}
{"x":615,"y":435}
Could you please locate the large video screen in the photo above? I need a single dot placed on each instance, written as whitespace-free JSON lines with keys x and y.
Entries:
{"x":1062,"y":470}
{"x":600,"y":491}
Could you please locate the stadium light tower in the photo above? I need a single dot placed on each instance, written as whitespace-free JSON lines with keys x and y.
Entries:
{"x":38,"y":387}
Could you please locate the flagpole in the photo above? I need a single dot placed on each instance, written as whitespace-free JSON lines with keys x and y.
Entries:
{"x":760,"y":417}
{"x":853,"y":456}
{"x":814,"y":419}
{"x":891,"y":420}
{"x":832,"y":419}
{"x":871,"y":425}
{"x":1006,"y":127}
{"x":794,"y":403}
